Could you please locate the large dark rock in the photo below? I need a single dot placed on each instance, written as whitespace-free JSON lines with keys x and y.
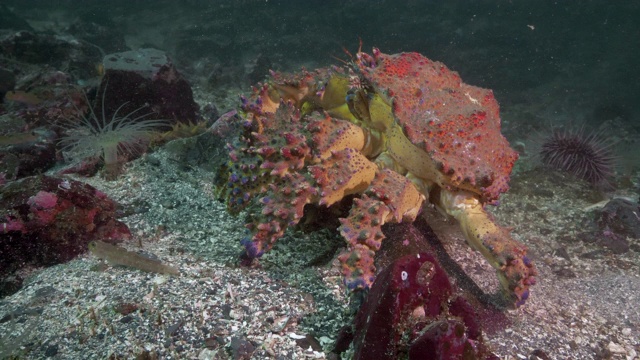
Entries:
{"x":411,"y":308}
{"x":145,"y":80}
{"x":621,"y":216}
{"x":617,"y":222}
{"x":7,"y":81}
{"x":56,"y":51}
{"x":27,"y":153}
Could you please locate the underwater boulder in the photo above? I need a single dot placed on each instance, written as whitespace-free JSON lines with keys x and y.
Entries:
{"x":617,"y":223}
{"x":27,"y":153}
{"x":133,"y":79}
{"x":411,"y":308}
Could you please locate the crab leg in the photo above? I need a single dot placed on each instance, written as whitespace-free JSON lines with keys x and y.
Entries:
{"x":515,"y":271}
{"x":390,"y":197}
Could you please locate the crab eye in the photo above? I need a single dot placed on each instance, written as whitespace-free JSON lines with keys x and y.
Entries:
{"x":404,"y":276}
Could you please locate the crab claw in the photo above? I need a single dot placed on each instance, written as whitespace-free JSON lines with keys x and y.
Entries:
{"x":390,"y":197}
{"x":515,"y":270}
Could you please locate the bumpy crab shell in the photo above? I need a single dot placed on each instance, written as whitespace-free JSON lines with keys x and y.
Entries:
{"x":444,"y":136}
{"x":457,"y":125}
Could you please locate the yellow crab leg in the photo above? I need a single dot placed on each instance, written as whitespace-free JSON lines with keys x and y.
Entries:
{"x":515,"y":271}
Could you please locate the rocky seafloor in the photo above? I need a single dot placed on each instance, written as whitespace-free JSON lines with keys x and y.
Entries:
{"x":585,"y":305}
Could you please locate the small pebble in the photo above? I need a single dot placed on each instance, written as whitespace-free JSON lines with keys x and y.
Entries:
{"x":616,"y":348}
{"x":51,"y":351}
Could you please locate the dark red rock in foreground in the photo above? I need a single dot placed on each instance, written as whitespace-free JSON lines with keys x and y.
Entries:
{"x":411,"y":309}
{"x":46,"y":221}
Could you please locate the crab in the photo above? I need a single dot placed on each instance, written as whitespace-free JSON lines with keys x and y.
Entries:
{"x":395,"y":132}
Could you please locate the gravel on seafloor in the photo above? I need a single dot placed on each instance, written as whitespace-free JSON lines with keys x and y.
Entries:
{"x":283,"y":308}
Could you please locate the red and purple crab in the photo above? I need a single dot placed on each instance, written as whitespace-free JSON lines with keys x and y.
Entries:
{"x":393,"y":131}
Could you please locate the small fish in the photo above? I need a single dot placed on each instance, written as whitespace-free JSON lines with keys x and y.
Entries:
{"x":22,"y":97}
{"x":116,"y":255}
{"x":18,"y":138}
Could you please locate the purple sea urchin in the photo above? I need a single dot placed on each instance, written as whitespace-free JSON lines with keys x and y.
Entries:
{"x":586,"y":156}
